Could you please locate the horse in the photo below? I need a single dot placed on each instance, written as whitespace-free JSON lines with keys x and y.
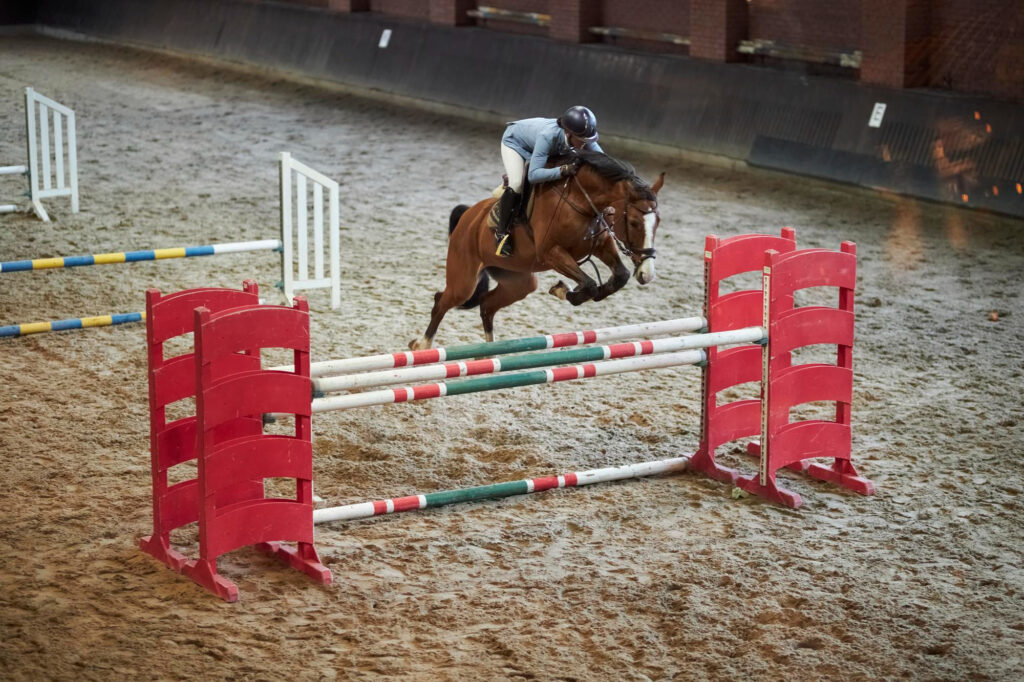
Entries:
{"x":602,"y":210}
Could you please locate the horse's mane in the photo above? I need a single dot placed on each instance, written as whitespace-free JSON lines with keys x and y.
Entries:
{"x":611,"y":168}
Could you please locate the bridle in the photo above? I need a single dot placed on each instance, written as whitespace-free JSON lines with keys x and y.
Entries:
{"x":638,"y":256}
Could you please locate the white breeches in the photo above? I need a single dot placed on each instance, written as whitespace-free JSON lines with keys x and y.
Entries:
{"x":515,"y":168}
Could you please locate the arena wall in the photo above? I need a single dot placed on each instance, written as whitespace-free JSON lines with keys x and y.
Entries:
{"x":948,"y":147}
{"x":17,"y":12}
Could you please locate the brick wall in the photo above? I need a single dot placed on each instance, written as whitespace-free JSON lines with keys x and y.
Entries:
{"x":717,"y":27}
{"x":978,"y":47}
{"x":412,"y":9}
{"x":648,"y":15}
{"x":827,"y":25}
{"x":896,"y":51}
{"x":451,"y":12}
{"x":539,"y":6}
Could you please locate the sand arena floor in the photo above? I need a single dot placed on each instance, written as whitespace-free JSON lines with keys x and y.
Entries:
{"x":666,"y":578}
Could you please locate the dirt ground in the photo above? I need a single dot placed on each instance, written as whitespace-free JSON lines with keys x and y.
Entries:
{"x":665,"y":578}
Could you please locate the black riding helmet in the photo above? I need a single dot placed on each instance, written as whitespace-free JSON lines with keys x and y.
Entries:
{"x":581,"y":122}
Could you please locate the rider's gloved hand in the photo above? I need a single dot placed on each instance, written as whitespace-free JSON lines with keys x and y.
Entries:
{"x":571,"y":168}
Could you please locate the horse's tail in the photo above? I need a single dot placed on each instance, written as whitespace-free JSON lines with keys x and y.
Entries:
{"x":456,"y":215}
{"x":483,"y":283}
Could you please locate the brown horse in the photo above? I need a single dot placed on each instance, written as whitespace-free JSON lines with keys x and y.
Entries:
{"x":604,"y":204}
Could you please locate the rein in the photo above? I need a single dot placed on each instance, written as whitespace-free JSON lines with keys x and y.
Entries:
{"x":643,"y":254}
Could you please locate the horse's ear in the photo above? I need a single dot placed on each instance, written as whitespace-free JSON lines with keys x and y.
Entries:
{"x":658,"y":183}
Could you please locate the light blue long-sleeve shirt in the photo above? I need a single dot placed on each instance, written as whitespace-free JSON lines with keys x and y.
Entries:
{"x":537,"y":140}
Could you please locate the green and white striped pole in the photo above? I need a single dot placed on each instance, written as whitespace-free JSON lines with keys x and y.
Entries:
{"x":365,"y":510}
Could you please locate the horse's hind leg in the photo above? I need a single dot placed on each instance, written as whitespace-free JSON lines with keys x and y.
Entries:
{"x":442,"y":304}
{"x":512,"y":287}
{"x":456,"y":292}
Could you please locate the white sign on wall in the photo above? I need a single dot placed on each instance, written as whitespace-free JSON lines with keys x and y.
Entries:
{"x":877,"y":115}
{"x":385,"y":38}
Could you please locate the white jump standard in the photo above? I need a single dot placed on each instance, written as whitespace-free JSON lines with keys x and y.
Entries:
{"x":295,"y":221}
{"x":47,"y":142}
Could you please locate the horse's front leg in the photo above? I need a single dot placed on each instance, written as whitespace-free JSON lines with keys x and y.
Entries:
{"x":559,"y":260}
{"x":608,"y":254}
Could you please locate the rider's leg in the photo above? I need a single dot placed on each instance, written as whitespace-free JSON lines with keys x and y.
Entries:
{"x":504,"y":209}
{"x":515,"y":167}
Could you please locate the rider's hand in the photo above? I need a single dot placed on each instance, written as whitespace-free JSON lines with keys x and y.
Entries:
{"x":570,"y":169}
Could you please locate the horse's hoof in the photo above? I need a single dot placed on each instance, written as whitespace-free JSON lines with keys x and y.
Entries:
{"x":560,"y":290}
{"x":419,"y":344}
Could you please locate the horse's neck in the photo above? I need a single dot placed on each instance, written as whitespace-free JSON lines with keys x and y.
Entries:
{"x":589,"y":191}
{"x":602,"y":192}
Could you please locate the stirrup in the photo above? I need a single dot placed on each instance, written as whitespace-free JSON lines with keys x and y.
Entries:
{"x":504,"y":246}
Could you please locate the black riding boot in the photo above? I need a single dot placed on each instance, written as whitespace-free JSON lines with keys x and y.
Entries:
{"x":505,"y":208}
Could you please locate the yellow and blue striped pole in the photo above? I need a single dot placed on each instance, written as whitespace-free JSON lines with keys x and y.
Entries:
{"x":136,"y":256}
{"x":74,"y":323}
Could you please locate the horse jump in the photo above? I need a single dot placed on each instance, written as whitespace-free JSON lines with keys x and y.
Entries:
{"x":297,"y":201}
{"x":756,"y":358}
{"x":46,"y":145}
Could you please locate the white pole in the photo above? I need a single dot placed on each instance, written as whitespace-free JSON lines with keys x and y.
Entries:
{"x":318,"y":231}
{"x":44,"y":141}
{"x":287,"y":272}
{"x":302,"y":225}
{"x":335,"y":239}
{"x":58,"y":146}
{"x":33,"y":155}
{"x":72,"y":160}
{"x":240,"y":247}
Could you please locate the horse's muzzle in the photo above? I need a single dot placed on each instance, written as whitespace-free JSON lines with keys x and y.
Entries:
{"x":644,"y":272}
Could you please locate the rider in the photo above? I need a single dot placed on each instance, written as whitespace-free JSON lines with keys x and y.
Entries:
{"x":536,"y":140}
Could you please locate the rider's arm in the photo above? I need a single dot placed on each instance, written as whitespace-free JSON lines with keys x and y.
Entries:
{"x":538,"y":173}
{"x":593,"y":147}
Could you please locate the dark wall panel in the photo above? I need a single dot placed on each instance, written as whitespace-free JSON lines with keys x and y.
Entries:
{"x":17,"y":12}
{"x":930,"y":145}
